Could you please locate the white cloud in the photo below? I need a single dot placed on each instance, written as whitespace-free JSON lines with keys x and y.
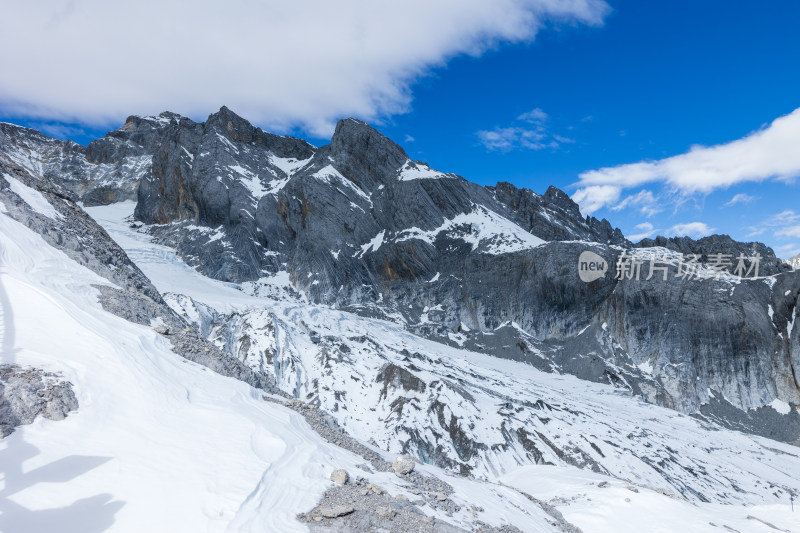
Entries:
{"x":534,"y":116}
{"x":690,"y":229}
{"x":60,"y":131}
{"x":592,"y":198}
{"x":646,"y":229}
{"x":788,"y":231}
{"x":409,"y":139}
{"x":644,"y":201}
{"x":783,"y":224}
{"x":280,"y":64}
{"x":533,"y":135}
{"x":740,"y":198}
{"x":505,"y":139}
{"x":787,"y":250}
{"x":771,"y":152}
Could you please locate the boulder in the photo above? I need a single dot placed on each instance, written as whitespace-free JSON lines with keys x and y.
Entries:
{"x":340,"y":476}
{"x":403,"y":465}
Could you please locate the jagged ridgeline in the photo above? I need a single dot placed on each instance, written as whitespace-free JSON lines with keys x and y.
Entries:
{"x":359,"y":226}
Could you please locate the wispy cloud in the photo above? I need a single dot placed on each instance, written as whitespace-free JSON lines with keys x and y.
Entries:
{"x":788,"y":231}
{"x":506,"y":139}
{"x":409,"y":139}
{"x":530,"y":131}
{"x":769,"y":153}
{"x":783,"y":224}
{"x":534,"y":116}
{"x":787,"y":250}
{"x":57,"y":130}
{"x":344,"y":58}
{"x":644,"y":201}
{"x":740,"y":198}
{"x":646,"y":229}
{"x":689,"y":229}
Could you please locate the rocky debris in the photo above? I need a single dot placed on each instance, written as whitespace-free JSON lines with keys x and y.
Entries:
{"x":353,"y":508}
{"x":385,"y":512}
{"x":340,"y":476}
{"x":397,"y":514}
{"x":330,"y":430}
{"x":335,"y":511}
{"x":403,"y":464}
{"x":26,"y":393}
{"x":161,"y":330}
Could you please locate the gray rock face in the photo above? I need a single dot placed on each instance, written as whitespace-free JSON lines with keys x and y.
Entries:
{"x":721,"y":244}
{"x":108,"y":170}
{"x":26,"y":393}
{"x":554,"y":216}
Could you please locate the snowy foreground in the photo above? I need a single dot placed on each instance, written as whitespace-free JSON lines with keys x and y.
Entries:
{"x":161,"y":444}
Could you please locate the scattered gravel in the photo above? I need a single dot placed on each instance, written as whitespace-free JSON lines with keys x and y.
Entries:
{"x":374,"y":509}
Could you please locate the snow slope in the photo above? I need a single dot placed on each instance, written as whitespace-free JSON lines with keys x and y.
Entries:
{"x":600,"y":504}
{"x":163,"y":266}
{"x":159,"y":443}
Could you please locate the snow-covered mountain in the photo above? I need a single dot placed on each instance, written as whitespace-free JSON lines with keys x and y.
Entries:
{"x":408,"y":310}
{"x":794,"y":262}
{"x":359,"y":226}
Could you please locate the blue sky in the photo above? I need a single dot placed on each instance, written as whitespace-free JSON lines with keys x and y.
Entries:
{"x":545,"y":101}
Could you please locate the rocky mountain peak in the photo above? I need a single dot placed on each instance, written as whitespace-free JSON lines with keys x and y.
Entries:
{"x":558,"y":197}
{"x":239,"y":130}
{"x":149,"y":122}
{"x":353,"y":134}
{"x":236,"y":127}
{"x":364,"y":154}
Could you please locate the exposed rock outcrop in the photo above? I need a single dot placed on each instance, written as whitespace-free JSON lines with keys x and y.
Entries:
{"x":26,"y":393}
